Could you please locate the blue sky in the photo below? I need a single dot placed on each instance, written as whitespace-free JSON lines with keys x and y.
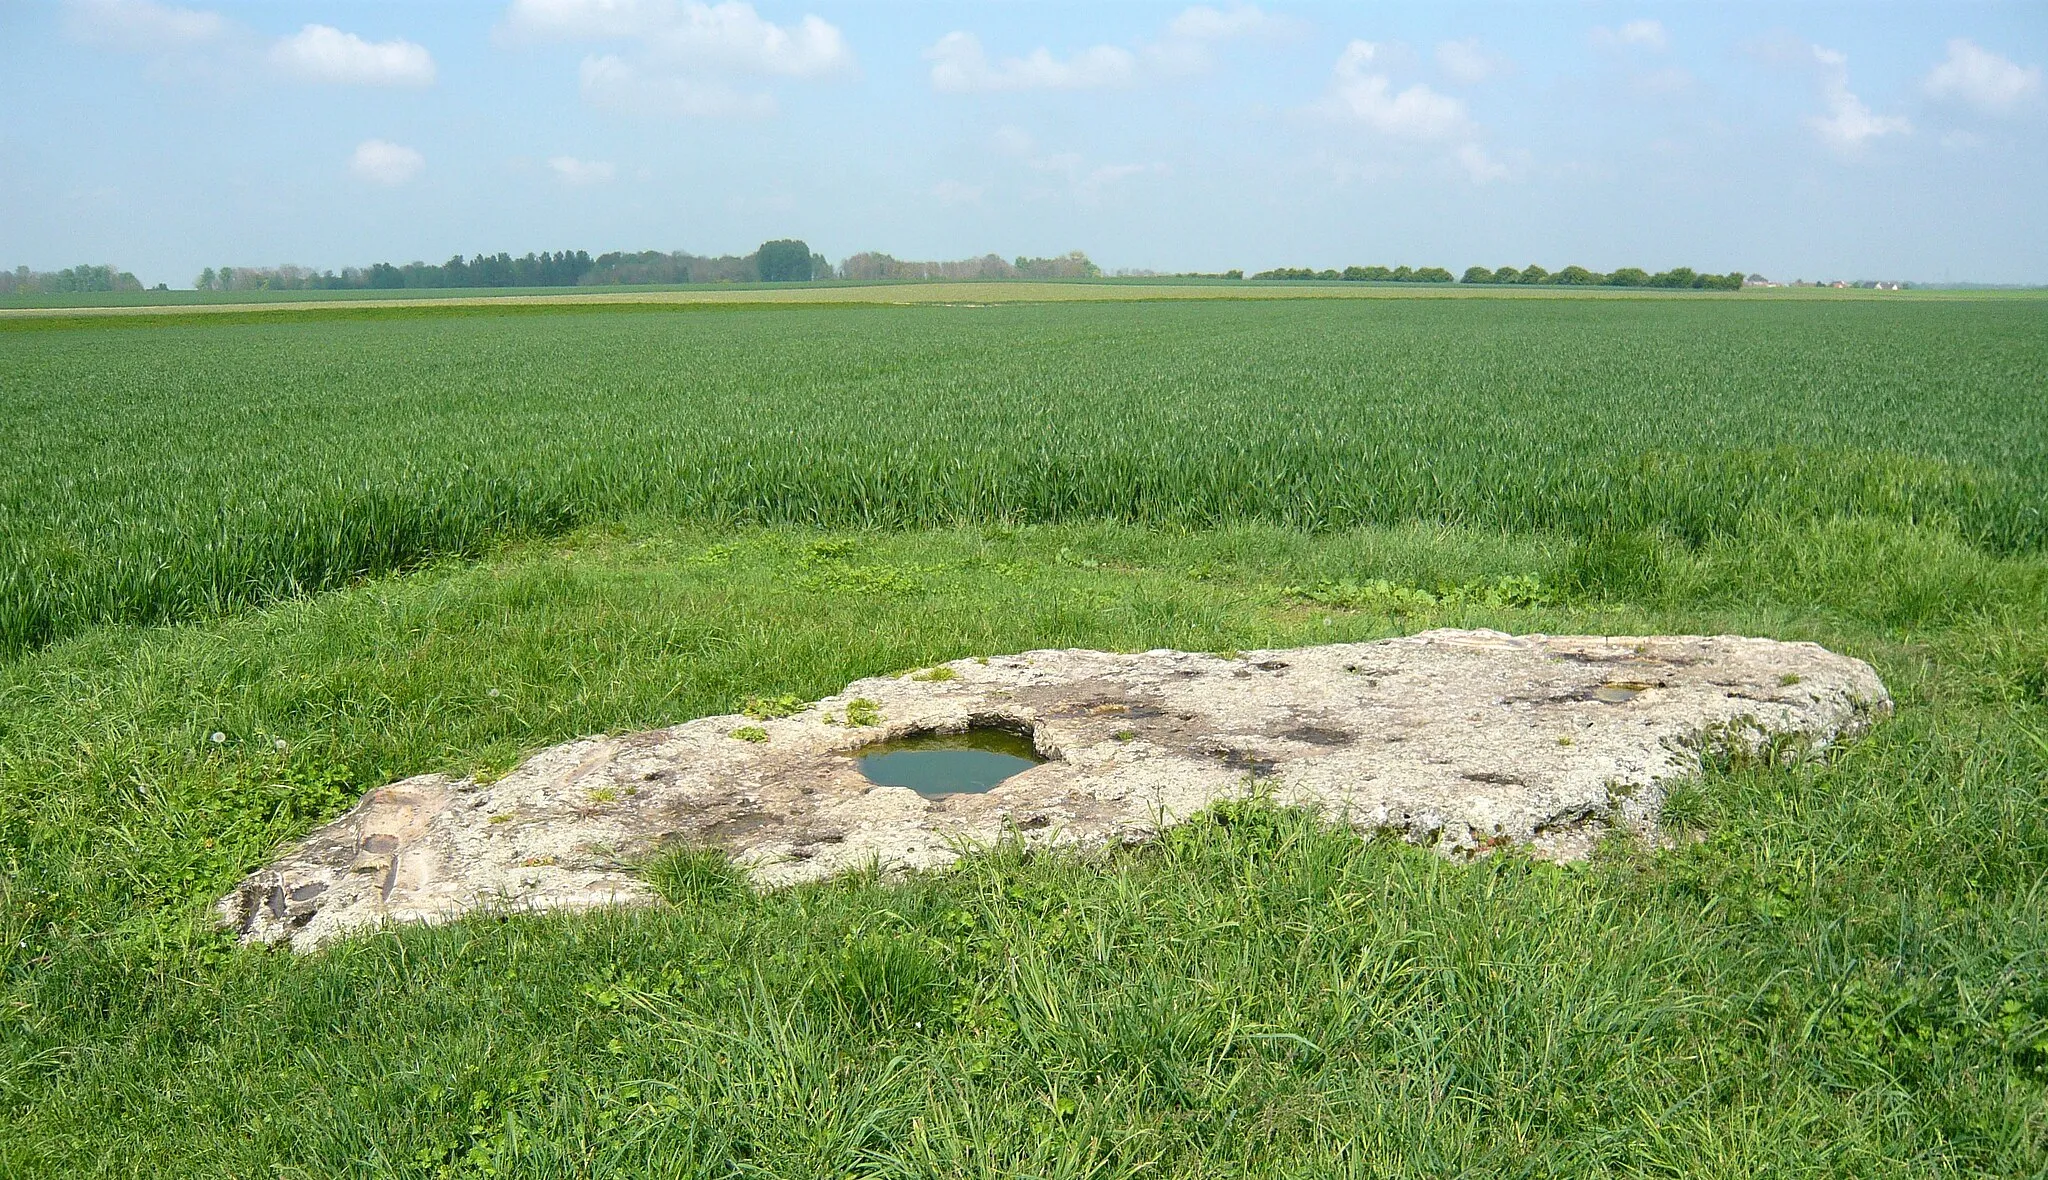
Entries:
{"x":1856,"y":140}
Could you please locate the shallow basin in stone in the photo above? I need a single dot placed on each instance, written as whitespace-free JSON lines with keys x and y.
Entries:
{"x":939,"y":764}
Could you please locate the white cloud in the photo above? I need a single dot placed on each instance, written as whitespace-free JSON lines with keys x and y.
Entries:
{"x":382,"y":162}
{"x":954,"y":192}
{"x":1479,"y":164}
{"x":188,"y":43}
{"x":581,"y":172}
{"x":1011,"y":140}
{"x":729,"y":37}
{"x":960,"y":66}
{"x":322,"y":53}
{"x":1849,"y":124}
{"x":1203,"y":23}
{"x":1629,"y":44}
{"x":1416,"y":113}
{"x":1084,"y":184}
{"x":1661,"y":83}
{"x":612,"y":82}
{"x":581,"y":20}
{"x":1981,"y":78}
{"x":1102,"y":177}
{"x":140,"y":25}
{"x":682,"y":57}
{"x":1362,"y":93}
{"x":1470,"y":62}
{"x":1642,"y":34}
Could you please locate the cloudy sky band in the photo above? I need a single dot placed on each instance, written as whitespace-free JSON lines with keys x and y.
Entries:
{"x":993,"y":115}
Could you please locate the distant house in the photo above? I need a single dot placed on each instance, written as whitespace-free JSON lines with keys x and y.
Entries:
{"x":1758,"y":281}
{"x":1838,"y":284}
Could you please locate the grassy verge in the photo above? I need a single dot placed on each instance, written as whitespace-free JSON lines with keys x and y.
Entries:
{"x":1847,"y":972}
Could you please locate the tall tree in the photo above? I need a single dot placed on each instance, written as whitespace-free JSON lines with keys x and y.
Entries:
{"x":785,"y":261}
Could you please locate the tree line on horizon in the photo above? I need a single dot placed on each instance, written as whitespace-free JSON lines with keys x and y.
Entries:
{"x":76,"y":280}
{"x":778,"y":261}
{"x":784,"y":260}
{"x":1677,"y":278}
{"x":1361,"y":274}
{"x":873,"y":267}
{"x":1682,"y":277}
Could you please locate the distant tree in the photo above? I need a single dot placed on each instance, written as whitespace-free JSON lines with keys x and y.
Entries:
{"x":1533,"y":273}
{"x":494,"y":270}
{"x":1071,"y":265}
{"x":71,"y":280}
{"x":787,"y":260}
{"x":1477,"y":274}
{"x":1629,"y":276}
{"x":619,"y":268}
{"x":1364,"y":274}
{"x":205,"y":280}
{"x":1576,"y":276}
{"x":1507,"y":274}
{"x":1681,"y":276}
{"x":871,"y":265}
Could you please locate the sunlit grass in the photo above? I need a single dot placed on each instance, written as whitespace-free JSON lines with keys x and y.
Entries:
{"x":181,"y":468}
{"x":1836,"y":968}
{"x":255,"y":563}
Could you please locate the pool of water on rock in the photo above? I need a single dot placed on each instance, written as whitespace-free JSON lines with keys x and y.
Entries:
{"x":936,"y":764}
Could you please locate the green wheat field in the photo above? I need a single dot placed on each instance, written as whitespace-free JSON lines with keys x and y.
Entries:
{"x":254,"y":563}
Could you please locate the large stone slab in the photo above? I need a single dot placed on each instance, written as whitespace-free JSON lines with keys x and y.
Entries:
{"x":1461,"y":740}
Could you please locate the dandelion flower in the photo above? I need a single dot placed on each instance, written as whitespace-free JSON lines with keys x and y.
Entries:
{"x":219,"y":737}
{"x":279,"y":743}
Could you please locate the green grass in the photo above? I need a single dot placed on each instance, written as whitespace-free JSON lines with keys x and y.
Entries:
{"x":185,"y":466}
{"x":360,"y":544}
{"x":1839,"y":969}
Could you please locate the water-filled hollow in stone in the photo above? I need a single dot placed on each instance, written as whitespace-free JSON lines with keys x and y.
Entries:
{"x":937,"y":764}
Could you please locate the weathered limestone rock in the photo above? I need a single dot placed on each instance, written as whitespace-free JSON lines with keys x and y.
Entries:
{"x":1458,"y":739}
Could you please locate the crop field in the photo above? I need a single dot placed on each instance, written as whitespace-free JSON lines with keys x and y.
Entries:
{"x":174,"y":468}
{"x":896,"y":291}
{"x":253,"y":564}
